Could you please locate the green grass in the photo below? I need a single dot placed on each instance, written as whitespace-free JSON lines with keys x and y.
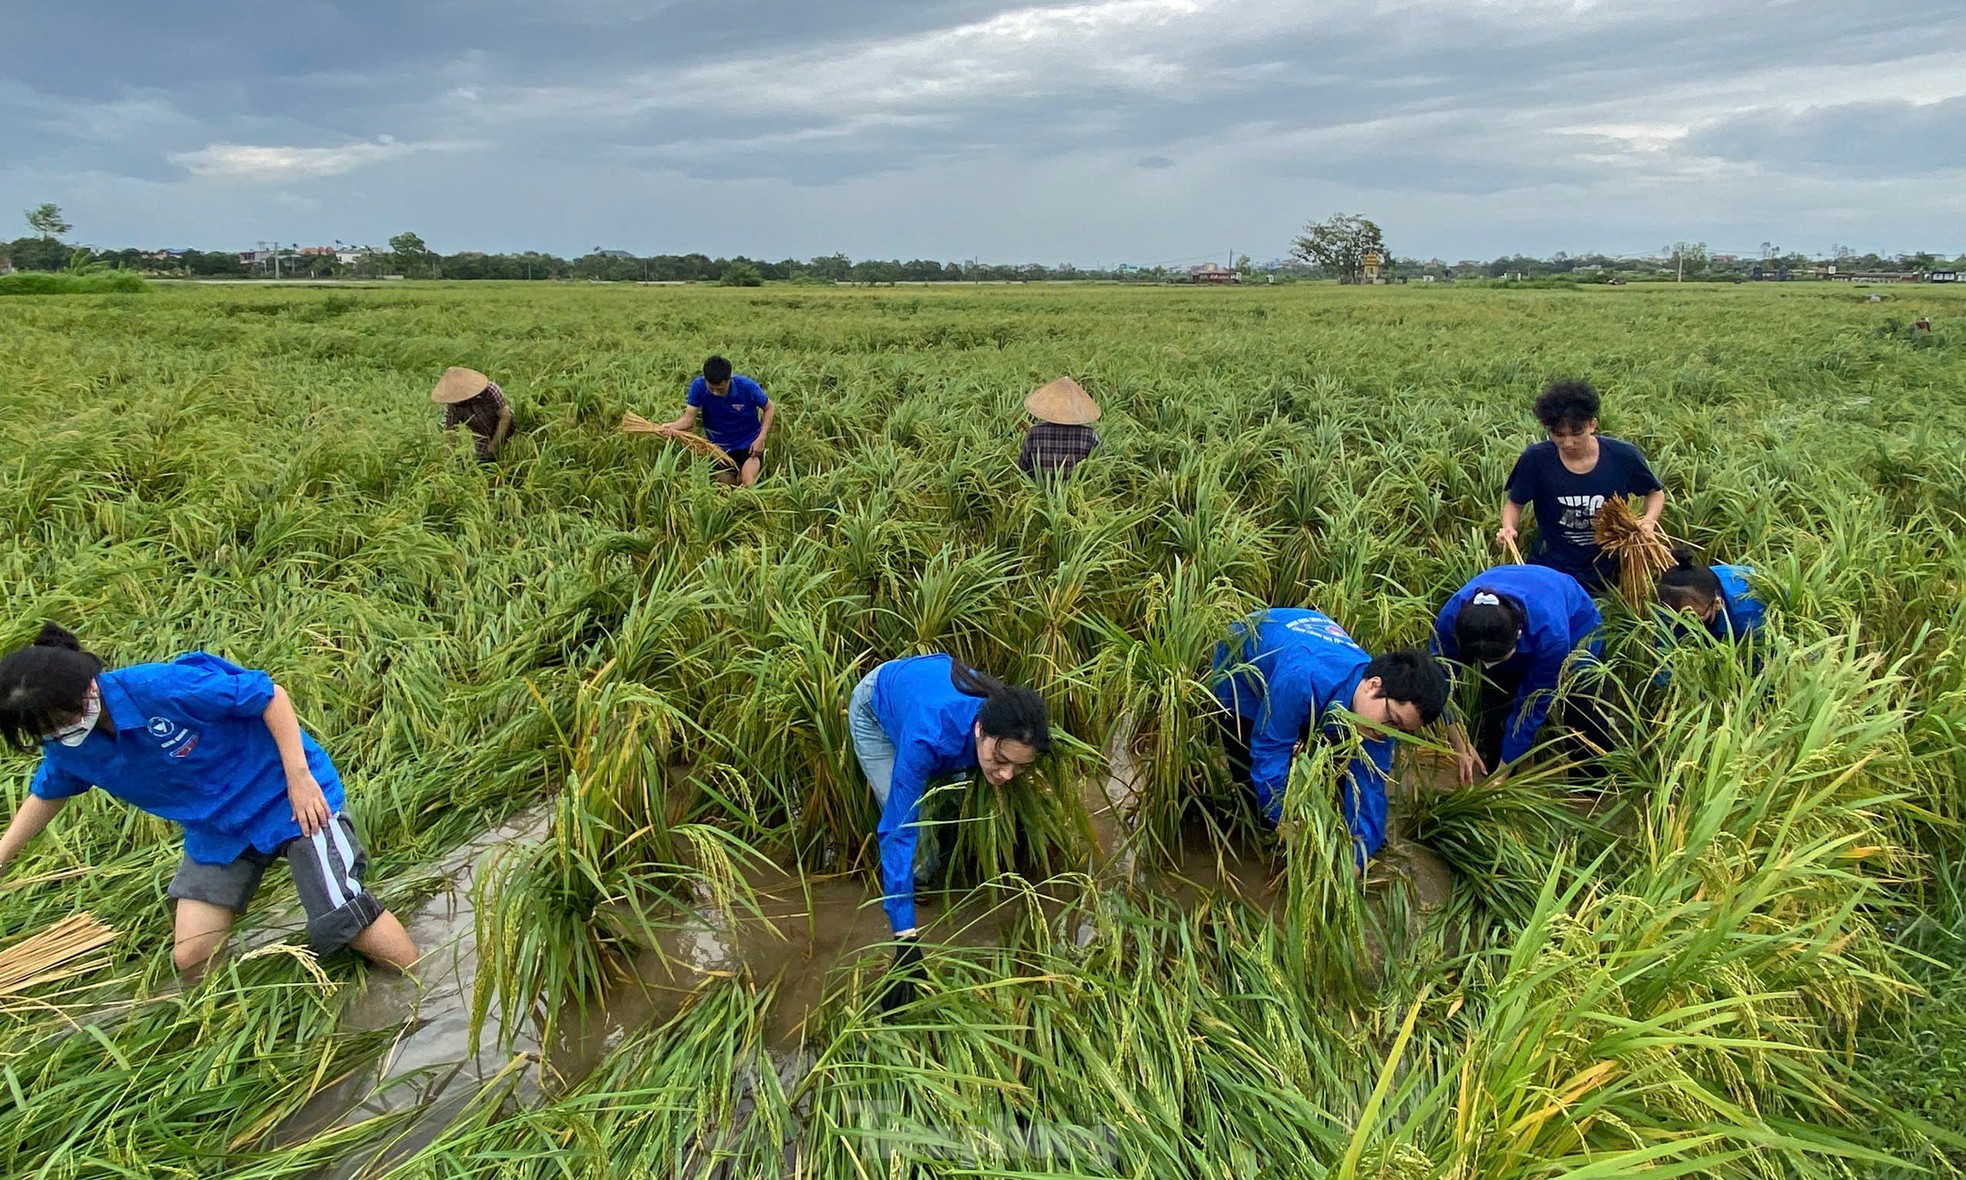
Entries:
{"x":1725,"y":988}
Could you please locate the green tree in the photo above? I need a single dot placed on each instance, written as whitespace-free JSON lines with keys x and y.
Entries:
{"x":1339,"y":245}
{"x":742,"y":274}
{"x":409,"y":253}
{"x":47,"y":221}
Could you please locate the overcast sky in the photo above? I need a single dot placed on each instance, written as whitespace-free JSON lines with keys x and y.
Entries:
{"x":1137,"y":130}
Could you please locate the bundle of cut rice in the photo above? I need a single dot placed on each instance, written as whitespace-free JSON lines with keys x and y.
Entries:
{"x":636,"y":424}
{"x":52,"y":954}
{"x":1642,"y":556}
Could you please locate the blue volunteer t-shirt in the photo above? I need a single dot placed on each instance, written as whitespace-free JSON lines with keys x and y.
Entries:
{"x":1741,"y":614}
{"x":1558,"y":619}
{"x":1566,"y":504}
{"x":731,"y":421}
{"x":932,"y":724}
{"x":1289,"y":670}
{"x":191,"y":746}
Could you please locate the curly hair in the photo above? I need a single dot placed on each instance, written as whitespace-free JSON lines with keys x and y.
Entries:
{"x":1566,"y":405}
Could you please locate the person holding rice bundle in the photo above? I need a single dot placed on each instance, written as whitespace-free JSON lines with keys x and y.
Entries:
{"x":214,"y":748}
{"x":1517,"y":626}
{"x":1567,"y":478}
{"x":1286,"y":672}
{"x":917,"y":720}
{"x":736,"y":416}
{"x":473,"y":400}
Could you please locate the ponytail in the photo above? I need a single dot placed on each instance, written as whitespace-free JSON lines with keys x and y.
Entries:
{"x":1488,"y":627}
{"x":44,"y":686}
{"x":1010,"y":713}
{"x":1689,"y":584}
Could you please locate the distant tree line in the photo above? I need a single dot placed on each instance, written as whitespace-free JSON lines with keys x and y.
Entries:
{"x":1328,"y":250}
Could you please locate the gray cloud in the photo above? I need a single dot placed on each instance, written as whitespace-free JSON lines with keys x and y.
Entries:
{"x":938,"y":128}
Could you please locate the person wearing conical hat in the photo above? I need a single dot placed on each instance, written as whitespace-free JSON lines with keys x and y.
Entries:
{"x":473,"y":400}
{"x":1063,"y":434}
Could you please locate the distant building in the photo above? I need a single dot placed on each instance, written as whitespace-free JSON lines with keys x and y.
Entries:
{"x":1875,"y":276}
{"x":6,"y":265}
{"x":1937,"y":276}
{"x":350,"y":255}
{"x":1209,"y":272}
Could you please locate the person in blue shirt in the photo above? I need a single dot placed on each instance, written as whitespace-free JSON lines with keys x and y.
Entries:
{"x":1717,"y":595}
{"x":1286,"y":673}
{"x":917,"y":720}
{"x":1566,"y":480}
{"x":214,"y":748}
{"x":736,"y":415}
{"x":1519,"y":625}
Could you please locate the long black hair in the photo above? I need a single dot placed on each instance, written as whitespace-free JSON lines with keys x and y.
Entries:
{"x":1690,"y":583}
{"x":44,"y":686}
{"x":1009,"y":713}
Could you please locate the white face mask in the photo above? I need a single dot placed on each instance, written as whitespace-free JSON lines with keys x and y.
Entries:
{"x":78,"y":732}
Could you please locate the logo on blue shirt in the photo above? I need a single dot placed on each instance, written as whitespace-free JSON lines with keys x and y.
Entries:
{"x":177,"y":740}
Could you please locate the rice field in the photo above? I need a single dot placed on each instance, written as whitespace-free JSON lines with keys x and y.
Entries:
{"x":1740,"y":961}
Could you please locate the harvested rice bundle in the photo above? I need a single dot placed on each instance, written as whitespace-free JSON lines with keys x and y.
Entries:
{"x":1642,"y":556}
{"x":636,"y":424}
{"x":51,"y":954}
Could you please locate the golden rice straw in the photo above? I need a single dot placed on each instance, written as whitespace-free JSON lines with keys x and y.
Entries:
{"x":1642,"y":556}
{"x":1511,"y":552}
{"x":636,"y":424}
{"x":51,"y":954}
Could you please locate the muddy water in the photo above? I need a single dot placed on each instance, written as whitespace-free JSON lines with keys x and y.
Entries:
{"x":807,"y":939}
{"x":429,"y":1069}
{"x":811,"y":937}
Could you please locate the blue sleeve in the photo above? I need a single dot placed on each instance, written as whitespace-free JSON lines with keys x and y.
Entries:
{"x":899,"y":830}
{"x":52,"y":782}
{"x":1287,"y":705}
{"x":1443,"y":641}
{"x":1364,"y":798}
{"x":763,"y":399}
{"x":209,"y":688}
{"x":1532,"y":702}
{"x":697,"y":391}
{"x":1748,"y":615}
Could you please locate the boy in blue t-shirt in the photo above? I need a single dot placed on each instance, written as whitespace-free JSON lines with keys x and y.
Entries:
{"x":1567,"y":479}
{"x":736,"y":415}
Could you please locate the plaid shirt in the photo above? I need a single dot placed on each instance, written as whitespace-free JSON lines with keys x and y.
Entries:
{"x":480,"y":414}
{"x":1054,"y":450}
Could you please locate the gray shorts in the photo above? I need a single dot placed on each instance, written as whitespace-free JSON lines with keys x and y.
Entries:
{"x":327,"y":867}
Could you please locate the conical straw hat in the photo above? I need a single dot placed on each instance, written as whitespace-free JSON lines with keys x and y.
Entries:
{"x":458,"y":385}
{"x":1063,"y":402}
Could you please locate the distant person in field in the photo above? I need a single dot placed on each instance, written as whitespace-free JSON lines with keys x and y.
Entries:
{"x":1566,"y":480}
{"x":1289,"y":676}
{"x":1717,"y":595}
{"x":1063,"y":434}
{"x":736,"y":416}
{"x":216,"y":749}
{"x":471,"y":399}
{"x":1516,"y":627}
{"x":916,"y":721}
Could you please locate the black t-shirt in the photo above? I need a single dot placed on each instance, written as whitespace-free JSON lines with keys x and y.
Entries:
{"x":1566,"y":504}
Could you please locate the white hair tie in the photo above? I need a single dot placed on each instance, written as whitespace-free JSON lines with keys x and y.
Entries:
{"x":1485,"y":598}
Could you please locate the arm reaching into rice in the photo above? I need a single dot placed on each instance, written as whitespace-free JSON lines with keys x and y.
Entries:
{"x":29,"y":821}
